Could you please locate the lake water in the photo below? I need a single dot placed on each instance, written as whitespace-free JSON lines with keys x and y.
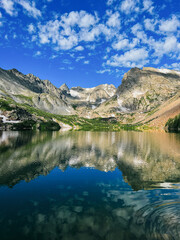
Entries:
{"x":89,"y":185}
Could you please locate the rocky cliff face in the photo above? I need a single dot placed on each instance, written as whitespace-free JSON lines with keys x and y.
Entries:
{"x":142,"y":91}
{"x":88,"y":96}
{"x":32,"y":90}
{"x":145,"y":89}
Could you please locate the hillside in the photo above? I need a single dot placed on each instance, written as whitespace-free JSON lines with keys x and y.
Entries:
{"x":146,"y":96}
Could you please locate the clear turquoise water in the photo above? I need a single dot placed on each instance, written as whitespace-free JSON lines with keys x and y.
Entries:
{"x":88,"y":185}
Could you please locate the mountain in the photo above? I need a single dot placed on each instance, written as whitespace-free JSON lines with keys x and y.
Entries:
{"x":145,"y":96}
{"x":142,"y":92}
{"x":31,"y":90}
{"x":85,"y":100}
{"x":44,"y":95}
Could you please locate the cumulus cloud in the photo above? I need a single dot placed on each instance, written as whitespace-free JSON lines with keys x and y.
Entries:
{"x":38,"y":53}
{"x":110,"y":2}
{"x":79,"y":48}
{"x":129,"y":6}
{"x":148,"y":6}
{"x":122,"y":44}
{"x":150,"y":24}
{"x":76,"y":27}
{"x":166,"y":46}
{"x":170,"y":25}
{"x":132,"y":58}
{"x":103,"y":71}
{"x":114,"y":20}
{"x":30,"y":8}
{"x":175,"y":66}
{"x":8,"y":6}
{"x":124,"y":41}
{"x":31,"y":28}
{"x":82,"y":19}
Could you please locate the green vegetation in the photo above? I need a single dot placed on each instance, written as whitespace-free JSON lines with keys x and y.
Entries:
{"x":25,"y":125}
{"x":152,"y":111}
{"x":173,"y":124}
{"x":49,"y":126}
{"x":25,"y":98}
{"x":47,"y":121}
{"x":5,"y":105}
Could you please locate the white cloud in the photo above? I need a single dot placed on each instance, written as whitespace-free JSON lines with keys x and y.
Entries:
{"x":79,"y":48}
{"x":110,"y":2}
{"x":103,"y":71}
{"x":30,"y":8}
{"x":79,"y":58}
{"x":82,"y":19}
{"x":137,"y":27}
{"x":129,"y":6}
{"x":53,"y":56}
{"x":31,"y":28}
{"x":90,"y":36}
{"x":70,"y":30}
{"x":71,"y":68}
{"x":121,"y":44}
{"x":166,"y":46}
{"x":0,"y":15}
{"x":114,"y":20}
{"x":86,"y":62}
{"x":170,"y":25}
{"x":175,"y":66}
{"x":38,"y":53}
{"x":8,"y":6}
{"x":133,"y":58}
{"x":149,"y":24}
{"x":67,"y":61}
{"x":148,"y":6}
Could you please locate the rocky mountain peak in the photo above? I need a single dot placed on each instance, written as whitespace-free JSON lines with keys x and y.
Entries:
{"x":64,"y":87}
{"x":33,"y":77}
{"x":15,"y":72}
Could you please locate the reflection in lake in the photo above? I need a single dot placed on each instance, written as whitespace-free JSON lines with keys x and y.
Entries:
{"x":89,"y":185}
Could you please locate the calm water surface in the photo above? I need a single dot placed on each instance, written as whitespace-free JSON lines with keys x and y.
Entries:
{"x":89,"y":186}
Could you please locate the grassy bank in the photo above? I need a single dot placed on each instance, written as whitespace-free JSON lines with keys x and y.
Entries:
{"x":173,"y":124}
{"x":47,"y":121}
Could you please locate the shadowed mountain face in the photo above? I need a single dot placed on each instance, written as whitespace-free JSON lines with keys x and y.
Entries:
{"x":88,"y":97}
{"x":145,"y":95}
{"x":31,"y":90}
{"x":44,"y":95}
{"x":145,"y":159}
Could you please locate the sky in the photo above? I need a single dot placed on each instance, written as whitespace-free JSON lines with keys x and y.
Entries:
{"x":88,"y":42}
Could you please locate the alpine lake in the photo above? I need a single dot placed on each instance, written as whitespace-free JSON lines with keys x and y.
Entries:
{"x":80,"y":185}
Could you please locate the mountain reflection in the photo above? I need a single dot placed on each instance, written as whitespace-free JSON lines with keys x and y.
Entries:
{"x":147,"y":160}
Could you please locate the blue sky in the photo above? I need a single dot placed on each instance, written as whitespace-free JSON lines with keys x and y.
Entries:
{"x":90,"y":42}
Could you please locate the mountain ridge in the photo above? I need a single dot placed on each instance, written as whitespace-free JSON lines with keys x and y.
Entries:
{"x":141,"y":93}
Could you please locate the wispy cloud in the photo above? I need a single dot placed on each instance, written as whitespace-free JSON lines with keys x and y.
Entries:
{"x":10,"y":7}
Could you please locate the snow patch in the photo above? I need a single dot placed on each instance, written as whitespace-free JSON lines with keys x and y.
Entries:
{"x":74,"y":93}
{"x":74,"y":160}
{"x":123,"y":109}
{"x":4,"y":119}
{"x":103,"y":100}
{"x":137,"y":93}
{"x":166,"y":71}
{"x":139,"y":162}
